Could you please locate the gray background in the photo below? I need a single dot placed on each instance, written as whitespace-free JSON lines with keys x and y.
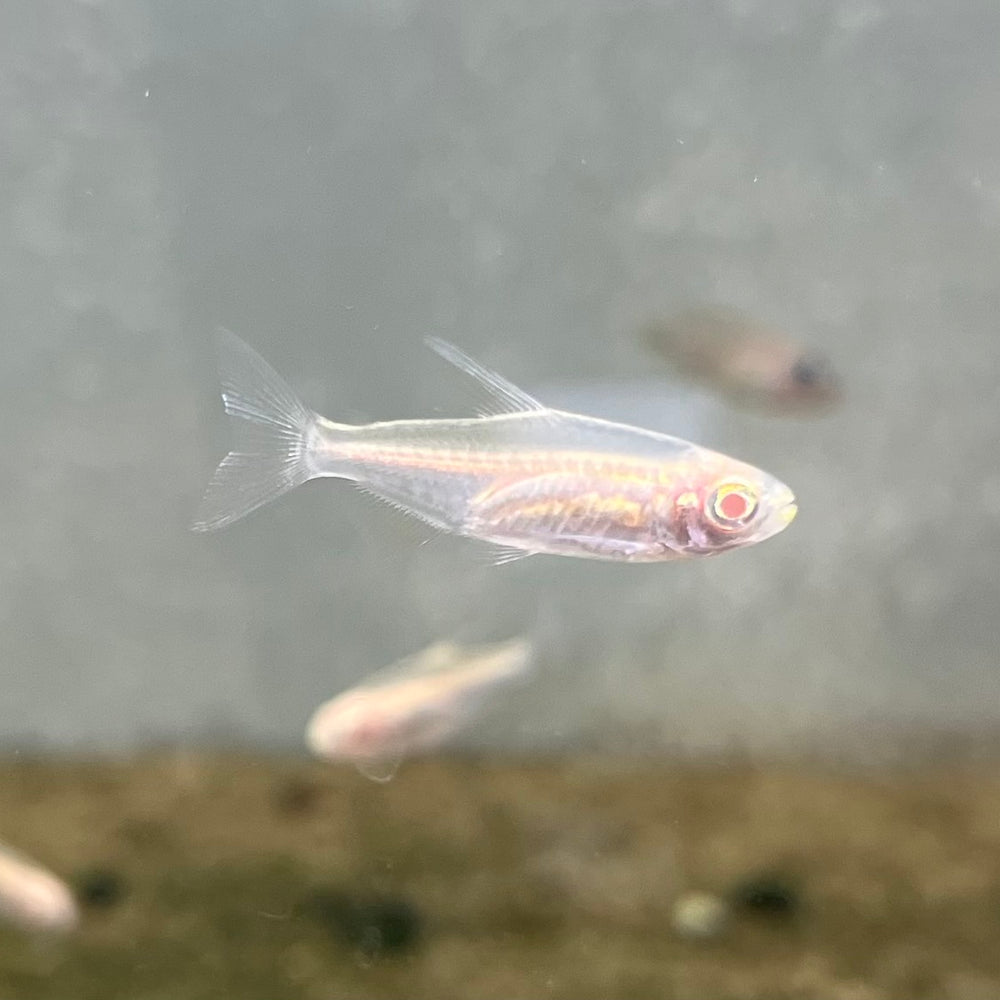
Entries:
{"x":529,"y":179}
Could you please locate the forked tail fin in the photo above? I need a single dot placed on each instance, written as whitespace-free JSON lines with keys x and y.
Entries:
{"x":273,"y":431}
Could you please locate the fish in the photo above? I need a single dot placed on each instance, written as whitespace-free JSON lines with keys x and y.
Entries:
{"x":521,"y":476}
{"x":749,"y":363}
{"x":414,"y":705}
{"x":32,"y":897}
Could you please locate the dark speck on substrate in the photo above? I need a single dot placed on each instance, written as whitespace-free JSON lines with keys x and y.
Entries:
{"x":100,"y":888}
{"x":377,"y":925}
{"x":769,"y":895}
{"x":293,"y":797}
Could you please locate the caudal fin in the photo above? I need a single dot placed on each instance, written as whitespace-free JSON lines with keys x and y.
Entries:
{"x":270,"y":456}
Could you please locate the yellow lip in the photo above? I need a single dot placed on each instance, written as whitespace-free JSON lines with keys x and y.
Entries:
{"x":788,"y":512}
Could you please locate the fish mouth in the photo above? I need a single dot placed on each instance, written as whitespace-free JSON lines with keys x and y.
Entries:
{"x":785,"y":506}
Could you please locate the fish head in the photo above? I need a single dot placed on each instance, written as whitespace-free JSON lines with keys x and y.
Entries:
{"x":730,"y":507}
{"x":45,"y":902}
{"x":348,"y":726}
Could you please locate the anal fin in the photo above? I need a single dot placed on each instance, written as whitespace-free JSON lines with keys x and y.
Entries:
{"x":504,"y":554}
{"x":403,"y":507}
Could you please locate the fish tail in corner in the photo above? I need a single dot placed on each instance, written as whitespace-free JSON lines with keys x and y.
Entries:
{"x":274,"y":431}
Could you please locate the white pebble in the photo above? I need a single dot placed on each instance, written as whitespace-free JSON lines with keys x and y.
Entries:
{"x":699,"y":915}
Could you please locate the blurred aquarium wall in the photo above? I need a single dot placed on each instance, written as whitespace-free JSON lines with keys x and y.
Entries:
{"x":530,"y":180}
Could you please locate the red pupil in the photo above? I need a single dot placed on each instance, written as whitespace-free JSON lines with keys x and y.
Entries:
{"x":733,"y":506}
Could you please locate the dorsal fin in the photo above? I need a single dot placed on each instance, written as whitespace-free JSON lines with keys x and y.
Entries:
{"x":510,"y":398}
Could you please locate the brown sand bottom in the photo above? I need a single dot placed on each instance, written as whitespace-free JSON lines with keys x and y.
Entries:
{"x":250,"y":877}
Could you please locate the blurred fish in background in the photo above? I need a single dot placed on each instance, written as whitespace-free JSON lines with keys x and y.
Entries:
{"x":527,"y":478}
{"x":33,"y":898}
{"x":414,"y":705}
{"x":749,"y":363}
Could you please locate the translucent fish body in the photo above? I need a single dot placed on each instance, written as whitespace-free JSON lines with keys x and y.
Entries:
{"x":530,"y":479}
{"x":414,"y":706}
{"x":546,"y":482}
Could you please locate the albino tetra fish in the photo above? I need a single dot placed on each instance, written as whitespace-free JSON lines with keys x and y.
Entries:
{"x":751,"y":364}
{"x":33,"y":898}
{"x":412,"y":706}
{"x":529,"y":479}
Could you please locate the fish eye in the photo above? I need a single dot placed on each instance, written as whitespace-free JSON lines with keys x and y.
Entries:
{"x":732,"y":505}
{"x":809,"y":371}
